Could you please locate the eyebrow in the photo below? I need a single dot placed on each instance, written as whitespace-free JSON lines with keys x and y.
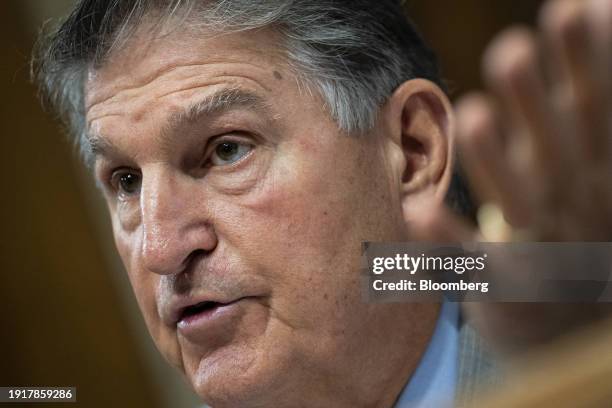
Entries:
{"x":97,"y":146}
{"x":216,"y":103}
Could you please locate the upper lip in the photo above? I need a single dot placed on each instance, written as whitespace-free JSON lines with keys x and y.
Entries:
{"x":177,"y":307}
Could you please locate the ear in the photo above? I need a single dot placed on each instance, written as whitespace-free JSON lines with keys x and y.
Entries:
{"x":418,"y":144}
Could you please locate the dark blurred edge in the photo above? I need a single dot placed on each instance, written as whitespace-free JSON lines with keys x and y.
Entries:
{"x":62,"y":321}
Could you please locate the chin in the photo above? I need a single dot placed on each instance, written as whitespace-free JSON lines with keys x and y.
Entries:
{"x":238,"y":376}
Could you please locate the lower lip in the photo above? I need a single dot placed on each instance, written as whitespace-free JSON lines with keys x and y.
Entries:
{"x":205,"y":322}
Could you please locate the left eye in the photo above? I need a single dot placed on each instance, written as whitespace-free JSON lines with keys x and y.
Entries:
{"x":229,"y":152}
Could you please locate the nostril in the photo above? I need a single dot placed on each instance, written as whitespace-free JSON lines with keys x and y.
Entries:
{"x":198,"y":253}
{"x":194,"y":256}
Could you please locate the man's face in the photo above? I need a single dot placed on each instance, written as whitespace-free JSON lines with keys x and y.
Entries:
{"x":238,"y":209}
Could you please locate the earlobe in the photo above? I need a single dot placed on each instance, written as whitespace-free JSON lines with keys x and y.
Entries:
{"x":421,"y":128}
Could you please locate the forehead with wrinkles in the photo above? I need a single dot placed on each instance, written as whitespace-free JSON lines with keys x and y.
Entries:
{"x":143,"y":62}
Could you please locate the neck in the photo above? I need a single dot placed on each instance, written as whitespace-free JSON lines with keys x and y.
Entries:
{"x":387,"y":359}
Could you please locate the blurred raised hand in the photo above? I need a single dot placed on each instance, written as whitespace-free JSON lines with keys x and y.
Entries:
{"x":537,"y":150}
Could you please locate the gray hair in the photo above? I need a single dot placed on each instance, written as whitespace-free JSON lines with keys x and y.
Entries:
{"x":354,"y":53}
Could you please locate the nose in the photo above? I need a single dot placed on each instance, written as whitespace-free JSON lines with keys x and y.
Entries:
{"x":175,"y":223}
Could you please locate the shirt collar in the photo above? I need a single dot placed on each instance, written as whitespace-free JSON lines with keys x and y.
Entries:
{"x":433,"y":383}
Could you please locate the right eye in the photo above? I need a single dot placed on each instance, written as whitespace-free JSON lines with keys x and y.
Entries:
{"x":126,"y":182}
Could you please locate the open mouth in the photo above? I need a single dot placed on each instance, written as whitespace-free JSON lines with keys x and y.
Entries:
{"x":205,"y":311}
{"x":202,"y":307}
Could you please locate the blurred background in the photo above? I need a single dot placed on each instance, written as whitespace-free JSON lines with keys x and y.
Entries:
{"x":68,"y":317}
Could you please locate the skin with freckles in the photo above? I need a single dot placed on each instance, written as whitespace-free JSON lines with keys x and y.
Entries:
{"x":225,"y":181}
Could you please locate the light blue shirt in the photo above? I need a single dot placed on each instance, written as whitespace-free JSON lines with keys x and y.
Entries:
{"x":434,"y":382}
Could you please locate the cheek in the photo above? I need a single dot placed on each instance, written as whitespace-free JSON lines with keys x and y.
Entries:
{"x":317,"y":204}
{"x":128,"y":215}
{"x":142,"y":282}
{"x":293,"y":222}
{"x":303,"y":230}
{"x":144,"y":285}
{"x":126,"y":243}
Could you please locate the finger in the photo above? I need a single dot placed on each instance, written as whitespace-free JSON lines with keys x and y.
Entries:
{"x":513,"y":72}
{"x":483,"y":157}
{"x":577,"y":65}
{"x":600,"y":13}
